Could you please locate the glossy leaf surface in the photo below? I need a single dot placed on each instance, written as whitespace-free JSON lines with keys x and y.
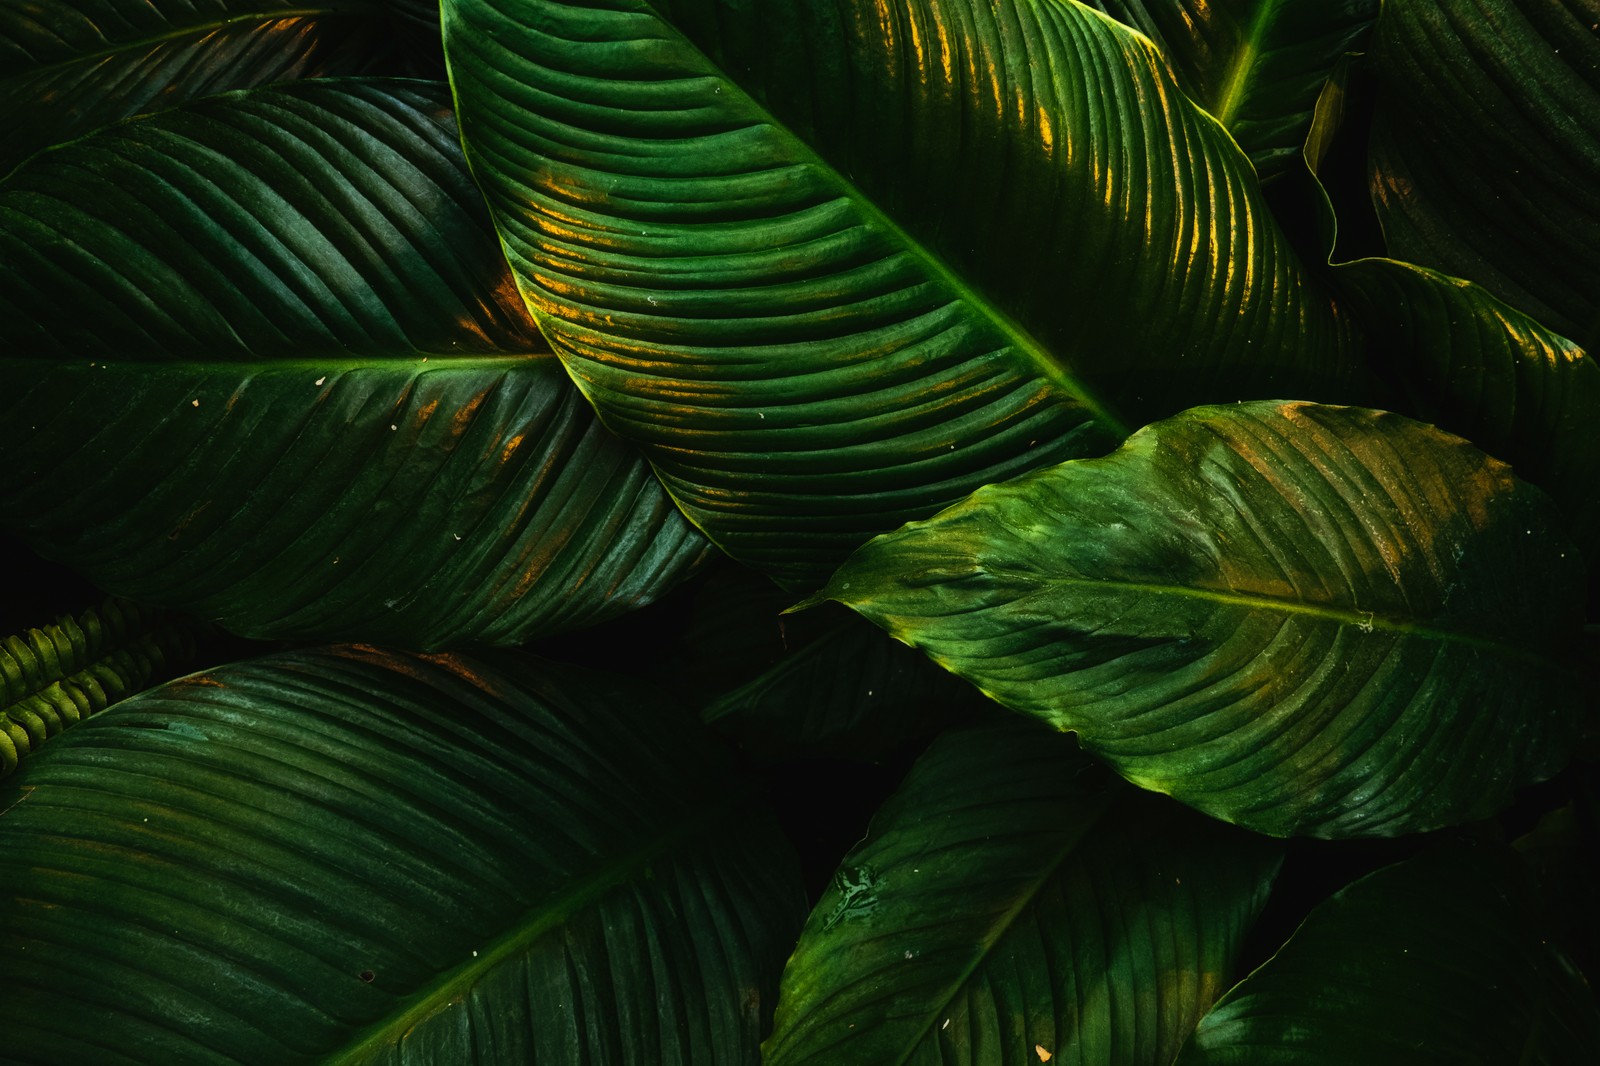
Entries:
{"x":69,"y":66}
{"x":1257,"y":65}
{"x":347,"y":855}
{"x":1438,"y":959}
{"x":1486,"y":149}
{"x":707,"y":205}
{"x":1290,"y":616}
{"x":270,"y":341}
{"x":1013,"y":902}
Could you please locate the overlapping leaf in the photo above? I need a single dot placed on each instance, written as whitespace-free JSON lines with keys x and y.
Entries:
{"x":1014,"y":904}
{"x":1439,"y":959}
{"x":1486,"y":149}
{"x":69,"y":66}
{"x":269,"y":340}
{"x":836,"y":265}
{"x":1257,"y":65}
{"x":1290,"y":616}
{"x":353,"y":856}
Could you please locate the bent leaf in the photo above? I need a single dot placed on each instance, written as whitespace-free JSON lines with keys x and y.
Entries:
{"x":1485,"y":152}
{"x":347,"y":855}
{"x":1436,"y":960}
{"x":270,"y":341}
{"x":1289,"y":616}
{"x":1011,"y":897}
{"x":70,"y":66}
{"x":55,"y":676}
{"x":1256,"y":65}
{"x":708,"y":206}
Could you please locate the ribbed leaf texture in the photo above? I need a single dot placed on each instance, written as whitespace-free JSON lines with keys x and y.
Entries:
{"x":1440,"y":959}
{"x":69,"y":66}
{"x":54,"y":676}
{"x":348,"y":855}
{"x":1014,"y":904}
{"x":753,"y":234}
{"x":1257,"y":65}
{"x":1291,"y":616}
{"x":270,"y":341}
{"x":1486,"y":149}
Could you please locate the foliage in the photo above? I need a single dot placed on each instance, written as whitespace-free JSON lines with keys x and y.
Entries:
{"x":965,"y":492}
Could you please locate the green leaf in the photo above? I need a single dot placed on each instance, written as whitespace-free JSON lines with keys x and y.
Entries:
{"x":1485,"y":151}
{"x":1289,"y":616}
{"x":1013,"y":901}
{"x":73,"y":65}
{"x":1435,"y":960}
{"x":751,"y":233}
{"x":270,"y":342}
{"x":348,"y":855}
{"x":1257,"y":65}
{"x":55,"y":676}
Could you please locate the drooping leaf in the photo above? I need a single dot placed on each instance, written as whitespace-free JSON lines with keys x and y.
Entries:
{"x":1290,"y":616}
{"x":54,"y":676}
{"x":1014,"y":902}
{"x":1438,"y":959}
{"x":69,"y":66}
{"x":347,"y":855}
{"x":750,"y":232}
{"x":270,"y":342}
{"x":1257,"y":65}
{"x":1486,"y":149}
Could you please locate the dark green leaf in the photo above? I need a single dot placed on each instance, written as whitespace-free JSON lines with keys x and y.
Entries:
{"x":55,"y":676}
{"x":347,"y":856}
{"x":1435,"y":960}
{"x":753,"y":233}
{"x":1486,"y":148}
{"x":1011,"y":902}
{"x":1257,"y":65}
{"x":1290,"y":616}
{"x":270,"y":342}
{"x":68,"y":66}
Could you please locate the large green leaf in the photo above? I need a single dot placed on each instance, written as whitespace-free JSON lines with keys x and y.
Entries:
{"x":347,"y":856}
{"x":68,"y":66}
{"x":54,"y":676}
{"x":1438,"y":959}
{"x":834,"y":265}
{"x":1257,"y":65}
{"x":1290,"y":616}
{"x":1013,"y":902}
{"x":269,"y":341}
{"x":1486,"y":148}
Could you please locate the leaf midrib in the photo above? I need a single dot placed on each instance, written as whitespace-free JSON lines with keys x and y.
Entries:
{"x":453,"y":984}
{"x":1235,"y":84}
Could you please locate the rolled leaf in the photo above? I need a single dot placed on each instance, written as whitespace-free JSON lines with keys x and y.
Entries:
{"x":348,"y":856}
{"x":1014,"y":904}
{"x":749,"y":231}
{"x":270,"y":341}
{"x":1257,"y":65}
{"x":69,"y":66}
{"x":1438,"y":959}
{"x":1290,"y":616}
{"x":1486,"y":150}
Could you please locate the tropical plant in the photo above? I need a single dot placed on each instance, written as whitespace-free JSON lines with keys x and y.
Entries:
{"x":718,"y":531}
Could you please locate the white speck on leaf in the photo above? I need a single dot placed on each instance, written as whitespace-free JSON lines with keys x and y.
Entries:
{"x":456,"y":535}
{"x":946,"y":1024}
{"x":393,"y":427}
{"x":322,"y":379}
{"x":194,"y":403}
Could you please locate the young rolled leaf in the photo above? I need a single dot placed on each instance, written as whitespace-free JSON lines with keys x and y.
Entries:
{"x":1486,"y":149}
{"x":749,"y":232}
{"x":1013,"y":902}
{"x":270,"y":341}
{"x":1256,"y":65}
{"x":1288,"y":615}
{"x":54,"y":676}
{"x":348,"y":855}
{"x":1436,"y":960}
{"x":69,"y":66}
